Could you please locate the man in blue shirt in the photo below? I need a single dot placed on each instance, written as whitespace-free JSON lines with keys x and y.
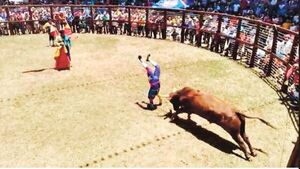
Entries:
{"x":67,"y":42}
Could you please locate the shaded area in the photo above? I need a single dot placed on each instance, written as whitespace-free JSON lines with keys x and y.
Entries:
{"x":292,"y":108}
{"x":295,"y":156}
{"x":205,"y":135}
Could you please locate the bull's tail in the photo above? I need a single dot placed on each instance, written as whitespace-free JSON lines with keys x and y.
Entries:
{"x":262,"y":120}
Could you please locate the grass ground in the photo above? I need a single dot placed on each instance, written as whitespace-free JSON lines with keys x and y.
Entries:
{"x":88,"y":117}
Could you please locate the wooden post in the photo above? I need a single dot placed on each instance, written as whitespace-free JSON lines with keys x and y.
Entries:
{"x":129,"y":20}
{"x":147,"y":23}
{"x":8,"y":19}
{"x":182,"y":27}
{"x":236,"y":44}
{"x":217,"y":35}
{"x":110,"y":20}
{"x":92,"y":15}
{"x":294,"y":48}
{"x":30,"y":12}
{"x":199,"y":35}
{"x":30,"y":18}
{"x":51,"y":12}
{"x":273,"y":51}
{"x":164,"y":30}
{"x":71,"y":25}
{"x":72,"y":10}
{"x":254,"y":51}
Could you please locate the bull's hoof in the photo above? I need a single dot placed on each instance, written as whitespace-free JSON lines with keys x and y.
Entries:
{"x":248,"y":158}
{"x":253,"y":154}
{"x":174,"y":117}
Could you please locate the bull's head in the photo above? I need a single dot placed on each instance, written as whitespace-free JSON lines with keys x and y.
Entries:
{"x":174,"y":99}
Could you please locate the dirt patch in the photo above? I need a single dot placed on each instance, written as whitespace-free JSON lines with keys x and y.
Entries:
{"x":87,"y":117}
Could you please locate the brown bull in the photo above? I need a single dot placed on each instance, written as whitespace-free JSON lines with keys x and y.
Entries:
{"x":214,"y":110}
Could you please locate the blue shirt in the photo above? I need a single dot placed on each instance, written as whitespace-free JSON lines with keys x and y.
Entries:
{"x":67,"y":41}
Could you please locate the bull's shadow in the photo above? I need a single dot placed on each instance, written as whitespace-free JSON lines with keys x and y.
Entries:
{"x":205,"y":135}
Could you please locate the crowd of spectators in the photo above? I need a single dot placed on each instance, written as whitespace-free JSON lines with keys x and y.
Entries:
{"x":281,"y":12}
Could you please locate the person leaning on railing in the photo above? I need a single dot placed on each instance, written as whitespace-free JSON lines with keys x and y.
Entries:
{"x":99,"y":23}
{"x":293,"y":72}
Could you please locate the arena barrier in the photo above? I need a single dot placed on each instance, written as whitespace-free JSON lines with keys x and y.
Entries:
{"x":268,"y":49}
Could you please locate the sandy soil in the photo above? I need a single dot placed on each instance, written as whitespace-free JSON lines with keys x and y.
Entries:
{"x":87,"y":117}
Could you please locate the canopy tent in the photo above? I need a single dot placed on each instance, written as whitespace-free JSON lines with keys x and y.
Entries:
{"x":19,"y":1}
{"x":177,"y":4}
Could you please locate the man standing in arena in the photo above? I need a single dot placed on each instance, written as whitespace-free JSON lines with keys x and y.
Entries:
{"x":52,"y":31}
{"x":153,"y":81}
{"x":62,"y":54}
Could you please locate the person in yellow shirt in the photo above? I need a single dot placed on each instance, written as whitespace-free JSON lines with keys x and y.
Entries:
{"x":52,"y":31}
{"x":287,"y":24}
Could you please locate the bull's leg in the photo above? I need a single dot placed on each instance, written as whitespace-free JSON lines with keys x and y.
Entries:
{"x":246,"y":139}
{"x":175,"y":114}
{"x":243,"y":134}
{"x":189,"y":116}
{"x":238,"y":138}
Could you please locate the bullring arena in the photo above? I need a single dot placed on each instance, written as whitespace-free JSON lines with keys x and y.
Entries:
{"x":87,"y":116}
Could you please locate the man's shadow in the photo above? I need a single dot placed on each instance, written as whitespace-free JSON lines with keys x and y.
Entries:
{"x":37,"y":70}
{"x":146,"y":106}
{"x":205,"y":135}
{"x":40,"y":70}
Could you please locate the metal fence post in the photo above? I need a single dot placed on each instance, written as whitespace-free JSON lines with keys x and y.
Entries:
{"x":252,"y":59}
{"x":236,"y":44}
